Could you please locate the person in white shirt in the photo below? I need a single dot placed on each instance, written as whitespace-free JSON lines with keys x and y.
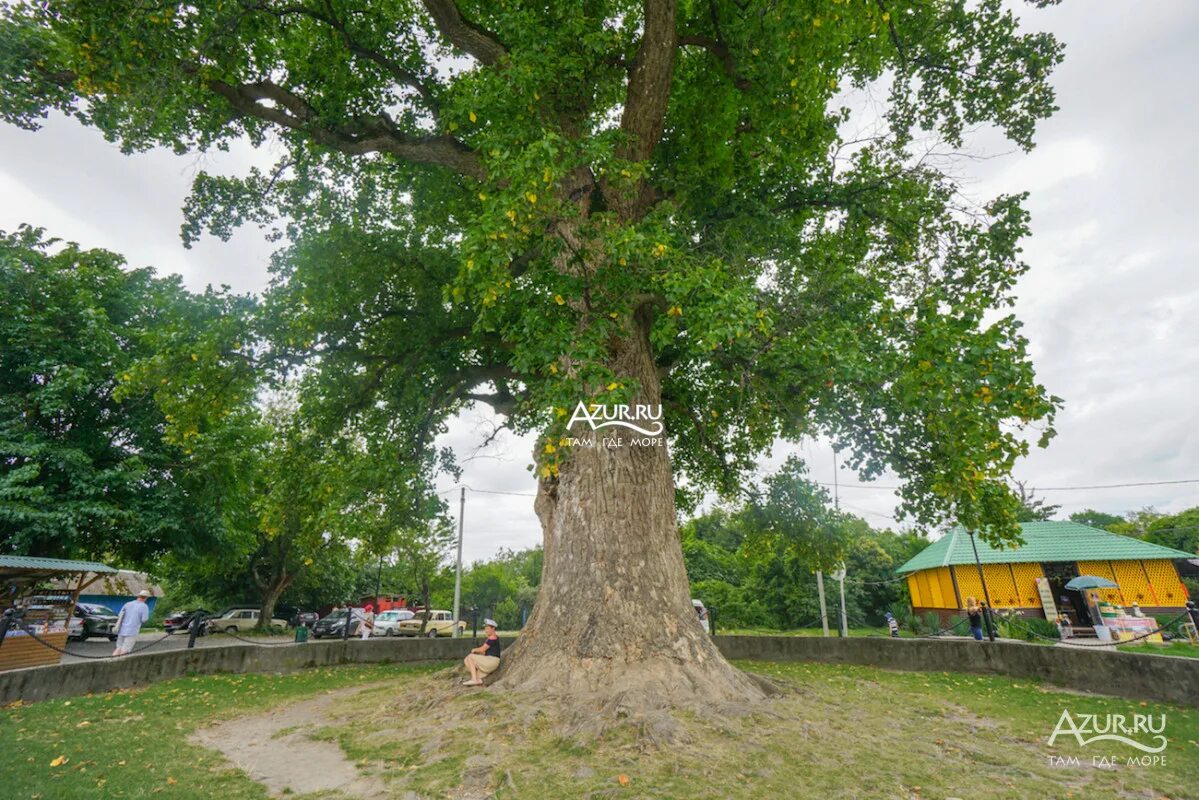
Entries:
{"x":367,"y":625}
{"x":129,"y":622}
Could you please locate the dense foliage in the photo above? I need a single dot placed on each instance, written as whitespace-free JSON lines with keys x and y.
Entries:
{"x":92,"y":464}
{"x":489,"y":201}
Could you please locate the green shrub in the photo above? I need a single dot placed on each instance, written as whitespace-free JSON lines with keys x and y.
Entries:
{"x":1029,"y":629}
{"x":1170,"y":623}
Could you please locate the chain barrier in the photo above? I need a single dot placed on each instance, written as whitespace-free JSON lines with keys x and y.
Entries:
{"x":254,"y":641}
{"x":29,"y":630}
{"x":1183,"y":615}
{"x":943,"y":631}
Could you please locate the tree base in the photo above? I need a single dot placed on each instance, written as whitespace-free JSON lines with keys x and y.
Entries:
{"x":588,"y":696}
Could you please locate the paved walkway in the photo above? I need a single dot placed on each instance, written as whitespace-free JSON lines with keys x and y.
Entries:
{"x":178,"y":641}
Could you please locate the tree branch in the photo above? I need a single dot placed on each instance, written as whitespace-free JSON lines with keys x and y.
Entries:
{"x":649,"y":85}
{"x":397,"y":70}
{"x":472,"y":39}
{"x":645,"y":106}
{"x":371,"y":135}
{"x":718,"y":49}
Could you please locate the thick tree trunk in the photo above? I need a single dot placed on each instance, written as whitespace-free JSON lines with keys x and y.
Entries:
{"x":270,"y":597}
{"x":613,"y":627}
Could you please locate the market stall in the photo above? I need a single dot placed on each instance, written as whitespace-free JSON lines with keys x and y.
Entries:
{"x":32,"y":592}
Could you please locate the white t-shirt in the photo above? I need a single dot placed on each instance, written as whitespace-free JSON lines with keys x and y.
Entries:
{"x":133,"y":615}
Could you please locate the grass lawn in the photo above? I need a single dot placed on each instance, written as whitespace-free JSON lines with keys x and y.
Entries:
{"x":1184,"y":649}
{"x":844,"y":732}
{"x":133,"y":743}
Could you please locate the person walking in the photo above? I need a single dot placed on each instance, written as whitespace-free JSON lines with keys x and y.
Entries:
{"x":975,"y":615}
{"x":484,"y":659}
{"x":132,"y":617}
{"x":368,"y":622}
{"x":892,"y":625}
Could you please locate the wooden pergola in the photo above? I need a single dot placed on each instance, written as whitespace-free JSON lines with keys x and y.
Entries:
{"x":26,"y":583}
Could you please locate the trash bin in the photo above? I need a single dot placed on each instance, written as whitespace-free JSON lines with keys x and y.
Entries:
{"x":301,"y":634}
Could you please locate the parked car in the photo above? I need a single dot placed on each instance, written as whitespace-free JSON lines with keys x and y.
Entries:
{"x":238,"y":620}
{"x":97,"y":621}
{"x":181,"y":620}
{"x":703,"y":614}
{"x":305,"y":618}
{"x":387,"y":622}
{"x":333,"y":623}
{"x":441,"y":623}
{"x":75,"y":628}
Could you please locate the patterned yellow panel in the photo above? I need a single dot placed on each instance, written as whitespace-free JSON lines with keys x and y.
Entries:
{"x":1102,"y":569}
{"x":968,"y":583}
{"x":1026,"y":584}
{"x":946,"y":580}
{"x":914,"y":590}
{"x":1133,"y":583}
{"x":930,"y":589}
{"x":1167,"y":586}
{"x":1000,"y":585}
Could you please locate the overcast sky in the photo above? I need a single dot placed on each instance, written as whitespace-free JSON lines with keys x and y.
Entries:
{"x":1111,"y":303}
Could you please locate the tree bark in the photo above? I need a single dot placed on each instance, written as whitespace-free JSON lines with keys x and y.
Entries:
{"x":270,"y":597}
{"x":613,"y":627}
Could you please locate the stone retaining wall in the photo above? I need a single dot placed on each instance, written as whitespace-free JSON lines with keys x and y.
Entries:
{"x":1132,"y":675}
{"x":1171,"y":679}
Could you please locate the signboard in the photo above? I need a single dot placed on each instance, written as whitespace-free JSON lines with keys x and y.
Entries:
{"x":1047,"y":602}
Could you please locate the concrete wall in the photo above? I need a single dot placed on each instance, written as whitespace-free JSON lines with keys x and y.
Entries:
{"x":1132,"y":675}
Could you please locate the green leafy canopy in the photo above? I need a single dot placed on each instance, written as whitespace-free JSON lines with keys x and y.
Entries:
{"x":484,"y":198}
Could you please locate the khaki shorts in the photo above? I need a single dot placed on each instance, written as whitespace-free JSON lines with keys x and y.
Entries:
{"x":486,"y":664}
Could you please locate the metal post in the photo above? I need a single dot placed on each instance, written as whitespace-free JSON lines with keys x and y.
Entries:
{"x":986,"y":595}
{"x":844,"y":618}
{"x":193,"y":631}
{"x":823,"y":607}
{"x":458,"y":571}
{"x":379,"y":580}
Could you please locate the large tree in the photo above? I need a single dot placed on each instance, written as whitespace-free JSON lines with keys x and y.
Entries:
{"x":534,"y":204}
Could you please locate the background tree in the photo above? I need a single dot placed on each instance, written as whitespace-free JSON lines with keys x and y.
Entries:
{"x":610,"y":202}
{"x":1096,"y":519}
{"x":91,"y":464}
{"x":1033,"y":508}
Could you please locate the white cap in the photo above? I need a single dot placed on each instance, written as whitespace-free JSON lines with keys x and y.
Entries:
{"x":490,"y":622}
{"x":145,"y":593}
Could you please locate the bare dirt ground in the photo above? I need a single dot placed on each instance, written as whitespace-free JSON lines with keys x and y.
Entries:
{"x":277,"y":750}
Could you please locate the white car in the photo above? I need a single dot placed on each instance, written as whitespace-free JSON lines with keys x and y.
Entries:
{"x":75,"y":628}
{"x":239,"y":620}
{"x":387,"y":623}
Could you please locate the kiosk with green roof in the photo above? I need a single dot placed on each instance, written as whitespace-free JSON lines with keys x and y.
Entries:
{"x":1031,"y":578}
{"x":45,"y":591}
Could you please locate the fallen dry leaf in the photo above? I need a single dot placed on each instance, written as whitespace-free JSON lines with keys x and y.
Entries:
{"x":623,"y":780}
{"x":58,"y":762}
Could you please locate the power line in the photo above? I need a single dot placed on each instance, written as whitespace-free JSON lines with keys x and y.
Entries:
{"x":1031,"y":488}
{"x":1112,"y":485}
{"x":468,"y":488}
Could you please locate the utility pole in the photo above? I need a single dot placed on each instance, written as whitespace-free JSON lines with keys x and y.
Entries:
{"x":823,"y":607}
{"x":379,"y":580}
{"x":820,"y":574}
{"x":458,"y":572}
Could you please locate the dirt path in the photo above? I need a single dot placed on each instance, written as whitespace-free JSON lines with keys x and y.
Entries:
{"x":292,"y":762}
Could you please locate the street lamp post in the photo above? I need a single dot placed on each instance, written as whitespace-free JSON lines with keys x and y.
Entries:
{"x":458,"y":571}
{"x":986,"y":595}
